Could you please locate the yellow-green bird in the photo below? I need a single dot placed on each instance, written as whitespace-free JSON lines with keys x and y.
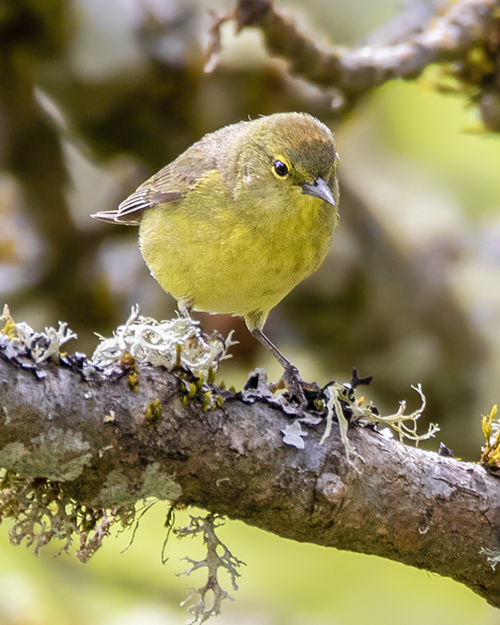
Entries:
{"x":240,"y":218}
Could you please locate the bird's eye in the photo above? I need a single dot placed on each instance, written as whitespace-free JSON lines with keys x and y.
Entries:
{"x":280,"y":168}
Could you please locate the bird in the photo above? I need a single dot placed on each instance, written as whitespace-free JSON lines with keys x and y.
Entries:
{"x":236,"y":221}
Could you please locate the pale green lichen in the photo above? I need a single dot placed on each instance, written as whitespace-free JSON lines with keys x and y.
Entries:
{"x":343,"y":404}
{"x":46,"y":456}
{"x":11,"y":454}
{"x":6,"y":415}
{"x":173,"y":344}
{"x":116,"y":490}
{"x":334,"y":407}
{"x":490,"y":456}
{"x":218,"y":558}
{"x":160,"y":485}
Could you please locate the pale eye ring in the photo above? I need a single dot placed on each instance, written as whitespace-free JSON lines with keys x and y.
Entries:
{"x":280,"y":168}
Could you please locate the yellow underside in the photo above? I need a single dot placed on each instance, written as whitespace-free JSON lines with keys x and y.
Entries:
{"x":222,"y":261}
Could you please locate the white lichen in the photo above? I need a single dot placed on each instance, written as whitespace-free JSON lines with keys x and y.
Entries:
{"x":492,"y":556}
{"x":218,"y":558}
{"x":292,"y":435}
{"x":178,"y":342}
{"x":40,"y":345}
{"x":173,"y":343}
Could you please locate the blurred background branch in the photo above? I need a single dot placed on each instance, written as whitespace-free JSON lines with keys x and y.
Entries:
{"x":448,"y":35}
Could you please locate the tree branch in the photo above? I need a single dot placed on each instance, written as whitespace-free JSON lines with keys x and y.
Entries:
{"x":109,"y":443}
{"x":354,"y":71}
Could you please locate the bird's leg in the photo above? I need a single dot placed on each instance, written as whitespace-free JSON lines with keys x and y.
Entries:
{"x":185,"y":309}
{"x":294,"y":383}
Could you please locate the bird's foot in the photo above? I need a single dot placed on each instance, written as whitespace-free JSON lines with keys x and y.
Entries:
{"x":185,"y":309}
{"x":298,"y":388}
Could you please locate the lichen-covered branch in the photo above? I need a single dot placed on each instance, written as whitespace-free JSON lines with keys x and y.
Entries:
{"x":354,"y":71}
{"x":108,"y":443}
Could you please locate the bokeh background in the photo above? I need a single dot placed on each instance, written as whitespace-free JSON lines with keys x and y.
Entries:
{"x":96,"y":95}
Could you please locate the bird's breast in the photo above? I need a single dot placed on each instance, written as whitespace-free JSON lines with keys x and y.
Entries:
{"x":224,"y":260}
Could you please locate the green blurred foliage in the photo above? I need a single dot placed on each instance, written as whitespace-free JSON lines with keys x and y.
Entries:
{"x":283,"y":582}
{"x":444,"y":134}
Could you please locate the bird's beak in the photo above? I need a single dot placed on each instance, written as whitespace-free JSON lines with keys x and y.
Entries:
{"x":320,"y":189}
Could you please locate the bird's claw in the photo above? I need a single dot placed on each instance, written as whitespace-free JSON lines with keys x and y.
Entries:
{"x":297,"y":387}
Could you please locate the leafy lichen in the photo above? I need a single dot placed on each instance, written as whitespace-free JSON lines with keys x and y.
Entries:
{"x":159,"y":484}
{"x":116,"y":489}
{"x":46,"y":456}
{"x":155,"y":483}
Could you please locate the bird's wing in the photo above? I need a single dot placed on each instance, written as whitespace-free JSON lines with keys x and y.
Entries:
{"x":165,"y":187}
